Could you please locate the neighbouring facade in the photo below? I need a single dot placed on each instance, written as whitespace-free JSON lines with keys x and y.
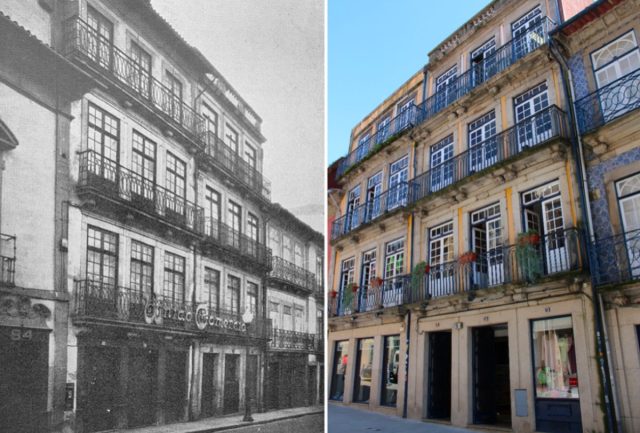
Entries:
{"x":135,"y":263}
{"x":466,"y":272}
{"x":295,"y":306}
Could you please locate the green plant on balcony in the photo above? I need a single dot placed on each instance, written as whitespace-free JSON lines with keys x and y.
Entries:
{"x":419,"y":271}
{"x":348,"y":295}
{"x":529,"y":256}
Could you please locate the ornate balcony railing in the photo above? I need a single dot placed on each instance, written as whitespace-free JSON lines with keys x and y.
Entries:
{"x":107,"y":177}
{"x":525,"y":263}
{"x":616,"y":259}
{"x":219,"y":234}
{"x":98,"y":302}
{"x":84,"y":43}
{"x":493,"y":64}
{"x":221,"y":155}
{"x":7,"y":259}
{"x":535,"y":130}
{"x":403,"y":121}
{"x":390,"y":200}
{"x":609,"y":102}
{"x":289,"y":272}
{"x":292,"y":340}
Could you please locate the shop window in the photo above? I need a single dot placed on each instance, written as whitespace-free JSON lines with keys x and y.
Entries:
{"x":554,"y":358}
{"x":340,"y":361}
{"x":362,"y":379}
{"x":390,"y":369}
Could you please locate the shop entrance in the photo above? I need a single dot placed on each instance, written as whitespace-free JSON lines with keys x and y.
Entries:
{"x":175,"y":386}
{"x":491,"y":388}
{"x":101,"y":382}
{"x":439,"y":394}
{"x":231,"y":384}
{"x":143,"y":374}
{"x":209,"y":367}
{"x":23,"y":380}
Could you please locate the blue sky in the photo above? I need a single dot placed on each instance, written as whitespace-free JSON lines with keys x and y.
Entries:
{"x":376,"y":45}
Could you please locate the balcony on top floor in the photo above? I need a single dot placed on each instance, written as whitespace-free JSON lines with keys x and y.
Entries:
{"x":616,"y":259}
{"x":292,"y":341}
{"x":92,"y":51}
{"x":522,"y":138}
{"x":101,"y":304}
{"x":221,"y":157}
{"x":496,"y":62}
{"x":112,"y":183}
{"x":527,"y":263}
{"x":7,"y":259}
{"x":291,"y":276}
{"x":223,"y":241}
{"x":389,"y":201}
{"x":609,"y":102}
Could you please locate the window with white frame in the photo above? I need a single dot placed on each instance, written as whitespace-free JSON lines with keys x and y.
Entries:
{"x":483,"y":150}
{"x":394,"y":259}
{"x":397,"y":189}
{"x":382,"y":130}
{"x":441,"y":164}
{"x":486,"y":242}
{"x":628,"y":194}
{"x":231,"y":137}
{"x":532,"y":119}
{"x":482,"y":62}
{"x":445,"y":88}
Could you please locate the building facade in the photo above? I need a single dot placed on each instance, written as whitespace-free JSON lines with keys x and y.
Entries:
{"x":462,"y":285}
{"x":135,"y":265}
{"x":295,"y":306}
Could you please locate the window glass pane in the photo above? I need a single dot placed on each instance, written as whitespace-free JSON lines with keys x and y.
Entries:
{"x":362,"y":380}
{"x":340,"y":361}
{"x":390,"y":368}
{"x":554,"y":358}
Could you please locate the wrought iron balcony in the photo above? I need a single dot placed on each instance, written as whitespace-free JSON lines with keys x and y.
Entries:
{"x":542,"y":127}
{"x":107,"y":178}
{"x":222,"y":156}
{"x":526,"y":263}
{"x":400,"y":123}
{"x":292,"y":340}
{"x":220,"y":235}
{"x":616,"y":259}
{"x":609,"y":102}
{"x":100,"y":303}
{"x":7,"y":259}
{"x":390,"y":200}
{"x":290,"y":273}
{"x":83,"y":43}
{"x":480,"y":72}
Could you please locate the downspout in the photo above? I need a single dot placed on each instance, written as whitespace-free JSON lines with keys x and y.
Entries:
{"x":602,"y":341}
{"x":260,"y":400}
{"x":193,"y":346}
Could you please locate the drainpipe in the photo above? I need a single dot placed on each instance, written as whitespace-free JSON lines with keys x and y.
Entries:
{"x":602,"y":341}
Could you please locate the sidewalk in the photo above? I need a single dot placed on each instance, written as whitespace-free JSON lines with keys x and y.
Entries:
{"x":343,"y":419}
{"x":227,"y":422}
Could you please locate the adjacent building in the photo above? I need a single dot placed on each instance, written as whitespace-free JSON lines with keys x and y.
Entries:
{"x":466,"y":278}
{"x":134,"y":215}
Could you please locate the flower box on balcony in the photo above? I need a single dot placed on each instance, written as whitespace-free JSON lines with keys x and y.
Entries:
{"x":376,"y":282}
{"x":530,"y":237}
{"x":468,"y":257}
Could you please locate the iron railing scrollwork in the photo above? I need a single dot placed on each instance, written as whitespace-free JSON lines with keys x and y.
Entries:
{"x":292,"y":340}
{"x":616,"y":259}
{"x":222,"y":235}
{"x":290,"y":272}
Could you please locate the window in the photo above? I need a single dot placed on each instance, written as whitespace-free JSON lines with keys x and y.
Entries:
{"x":102,"y":257}
{"x":352,"y":219}
{"x":404,"y":110}
{"x":231,"y":136}
{"x":287,"y":248}
{"x":367,"y":273}
{"x":176,"y":176}
{"x":287,"y":318}
{"x":274,"y":240}
{"x":252,"y":298}
{"x":394,"y":259}
{"x":483,"y":62}
{"x":233,"y":294}
{"x":445,"y":91}
{"x":483,"y":150}
{"x":319,"y":271}
{"x":212,"y":211}
{"x":374,"y":189}
{"x":174,"y":277}
{"x":441,"y":164}
{"x":364,"y":363}
{"x":141,"y":73}
{"x":440,"y":280}
{"x":532,"y":119}
{"x":210,"y":119}
{"x":274,"y":314}
{"x":250,"y":155}
{"x":486,"y":242}
{"x":390,"y":369}
{"x":299,"y":321}
{"x":628,"y":194}
{"x":610,"y":63}
{"x":397,"y":191}
{"x":382,"y":130}
{"x":298,"y":258}
{"x":253,"y":227}
{"x":141,"y":268}
{"x":103,"y":142}
{"x":527,"y":33}
{"x":235,"y":222}
{"x":143,"y":162}
{"x":175,"y":94}
{"x":340,"y":361}
{"x":363,"y":146}
{"x":554,"y":358}
{"x":211,"y":289}
{"x":100,"y":38}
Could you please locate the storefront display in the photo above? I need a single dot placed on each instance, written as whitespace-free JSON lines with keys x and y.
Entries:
{"x":341,"y":357}
{"x":364,"y":362}
{"x":390,"y":368}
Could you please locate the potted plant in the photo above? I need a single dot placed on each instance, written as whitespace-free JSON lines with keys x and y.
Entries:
{"x":333,"y":294}
{"x":376,"y":282}
{"x":529,"y":256}
{"x":417,"y":274}
{"x":530,"y":237}
{"x":468,"y":257}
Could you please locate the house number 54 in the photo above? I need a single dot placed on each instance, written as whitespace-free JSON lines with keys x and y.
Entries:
{"x":21,"y":334}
